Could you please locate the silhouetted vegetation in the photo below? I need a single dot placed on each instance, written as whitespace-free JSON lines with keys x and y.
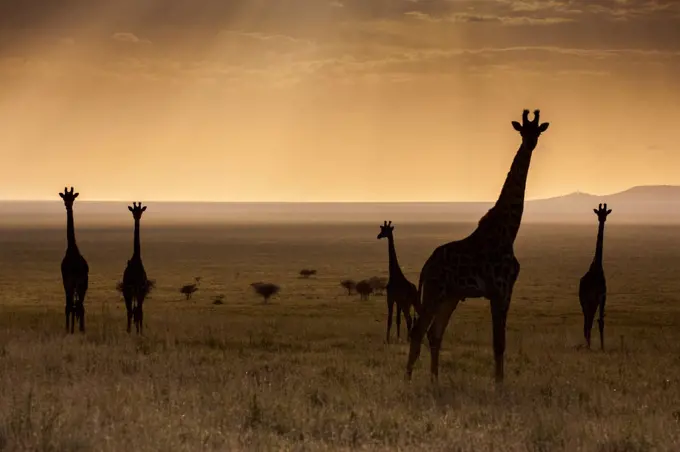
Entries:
{"x":148,"y":288}
{"x":307,"y":272}
{"x":378,"y":284}
{"x":348,"y":284}
{"x":189,"y":289}
{"x":265,"y":290}
{"x":218,"y":299}
{"x":364,"y":289}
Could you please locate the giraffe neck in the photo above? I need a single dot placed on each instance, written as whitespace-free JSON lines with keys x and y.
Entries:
{"x":506,"y":215}
{"x":70,"y":230}
{"x":394,"y":268}
{"x":597,"y":260}
{"x":137,"y":251}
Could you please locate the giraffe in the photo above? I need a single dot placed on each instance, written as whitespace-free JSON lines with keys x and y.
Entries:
{"x":592,"y":289}
{"x":482,"y":265}
{"x":135,"y":283}
{"x":400,"y":291}
{"x":74,"y":269}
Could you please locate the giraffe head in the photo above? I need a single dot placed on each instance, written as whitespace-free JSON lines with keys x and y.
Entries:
{"x":602,"y":213}
{"x":137,"y":210}
{"x":69,"y":197}
{"x":386,"y":230}
{"x":530,"y":130}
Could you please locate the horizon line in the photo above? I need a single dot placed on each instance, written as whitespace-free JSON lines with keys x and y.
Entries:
{"x":577,"y":192}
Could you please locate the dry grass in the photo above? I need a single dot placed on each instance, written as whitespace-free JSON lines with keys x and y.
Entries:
{"x":310,"y":370}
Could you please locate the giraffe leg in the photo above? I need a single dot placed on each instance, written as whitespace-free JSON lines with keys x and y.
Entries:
{"x":390,"y":311}
{"x":409,"y":323}
{"x":128,"y":308}
{"x":436,"y":333}
{"x":398,"y":322}
{"x":80,"y":314}
{"x":499,"y":315}
{"x":421,"y":325}
{"x":140,"y":317}
{"x":80,"y":305}
{"x":68,"y":308}
{"x":588,"y":317}
{"x":600,"y":321}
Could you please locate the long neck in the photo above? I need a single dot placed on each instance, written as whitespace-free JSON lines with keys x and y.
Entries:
{"x":510,"y":205}
{"x":597,"y":260}
{"x":392,"y":255}
{"x":70,"y":229}
{"x":137,"y":251}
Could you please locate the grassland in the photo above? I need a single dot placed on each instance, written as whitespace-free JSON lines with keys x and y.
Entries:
{"x":311,"y":371}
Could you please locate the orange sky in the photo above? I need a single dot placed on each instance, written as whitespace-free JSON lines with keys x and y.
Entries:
{"x":355,"y":100}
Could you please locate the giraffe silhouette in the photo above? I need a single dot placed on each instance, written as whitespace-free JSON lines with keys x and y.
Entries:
{"x":400,"y":291}
{"x":136,"y":286}
{"x":482,"y":265}
{"x":592,"y":289}
{"x":74,"y":270}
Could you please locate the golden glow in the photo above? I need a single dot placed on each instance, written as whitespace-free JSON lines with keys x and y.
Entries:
{"x":337,"y":101}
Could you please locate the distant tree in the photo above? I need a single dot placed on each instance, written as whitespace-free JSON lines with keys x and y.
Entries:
{"x":189,"y":289}
{"x":364,"y":289}
{"x":348,"y":284}
{"x":218,"y":299}
{"x":379,"y":284}
{"x":265,"y":290}
{"x":307,"y":272}
{"x":148,"y":288}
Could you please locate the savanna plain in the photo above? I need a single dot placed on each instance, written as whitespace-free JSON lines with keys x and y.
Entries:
{"x":311,"y":370}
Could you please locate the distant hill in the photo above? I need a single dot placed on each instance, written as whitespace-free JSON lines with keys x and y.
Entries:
{"x":644,"y":204}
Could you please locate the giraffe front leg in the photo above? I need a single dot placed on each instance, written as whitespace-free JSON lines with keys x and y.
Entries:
{"x":390,"y":311}
{"x":499,"y":315}
{"x":588,"y":317}
{"x":67,"y":310}
{"x":128,"y":309}
{"x":398,"y":322}
{"x":600,"y":321}
{"x":140,"y":318}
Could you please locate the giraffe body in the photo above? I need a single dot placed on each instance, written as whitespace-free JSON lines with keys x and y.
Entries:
{"x":135,"y":282}
{"x":592,"y":291}
{"x":400,"y":291}
{"x":74,"y":270}
{"x":482,"y":265}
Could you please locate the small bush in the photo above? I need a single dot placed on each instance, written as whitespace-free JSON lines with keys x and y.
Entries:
{"x":265,"y":290}
{"x":348,"y":284}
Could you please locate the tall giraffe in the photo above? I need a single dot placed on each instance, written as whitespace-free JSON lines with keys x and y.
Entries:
{"x":74,"y":269}
{"x":592,"y":289}
{"x":135,"y":283}
{"x":482,"y":265}
{"x":400,"y":291}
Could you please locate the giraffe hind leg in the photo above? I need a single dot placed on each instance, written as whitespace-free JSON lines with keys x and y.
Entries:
{"x":427,"y":311}
{"x":435,"y":334}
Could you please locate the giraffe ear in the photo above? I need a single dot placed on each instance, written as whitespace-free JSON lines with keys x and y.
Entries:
{"x":543,"y":127}
{"x":75,"y":195}
{"x":61,"y":195}
{"x":609,"y":211}
{"x":517,"y":126}
{"x":595,"y":210}
{"x":144,"y":209}
{"x":130,"y":208}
